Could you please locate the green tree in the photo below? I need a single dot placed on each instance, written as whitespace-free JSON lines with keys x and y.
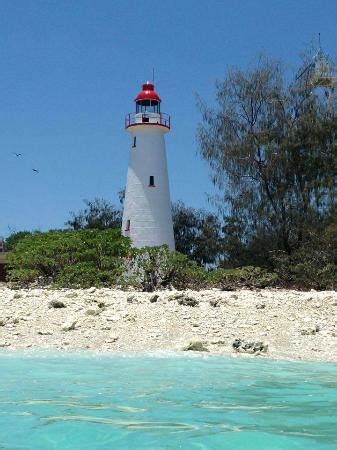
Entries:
{"x":197,"y":233}
{"x":271,"y":148}
{"x":99,"y":214}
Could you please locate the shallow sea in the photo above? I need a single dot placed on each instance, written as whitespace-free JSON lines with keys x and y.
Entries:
{"x":83,"y":400}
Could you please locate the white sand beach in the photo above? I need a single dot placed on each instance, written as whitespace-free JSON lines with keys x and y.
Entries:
{"x":290,"y":324}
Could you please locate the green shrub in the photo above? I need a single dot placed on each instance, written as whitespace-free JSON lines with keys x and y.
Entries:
{"x":82,"y":274}
{"x":89,"y":257}
{"x":314,"y":264}
{"x":306,"y":269}
{"x":24,"y":276}
{"x":69,"y":258}
{"x":14,"y":238}
{"x":244,"y":277}
{"x":191,"y":277}
{"x":152,"y":268}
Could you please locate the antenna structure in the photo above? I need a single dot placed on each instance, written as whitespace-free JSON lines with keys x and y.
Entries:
{"x":321,"y":73}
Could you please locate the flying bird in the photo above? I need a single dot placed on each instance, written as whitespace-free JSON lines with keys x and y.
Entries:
{"x":17,"y":154}
{"x":35,"y":170}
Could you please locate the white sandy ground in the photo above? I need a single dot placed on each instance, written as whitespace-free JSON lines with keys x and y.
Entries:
{"x":295,"y":325}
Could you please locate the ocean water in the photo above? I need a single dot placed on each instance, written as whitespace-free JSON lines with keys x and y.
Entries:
{"x":51,"y":400}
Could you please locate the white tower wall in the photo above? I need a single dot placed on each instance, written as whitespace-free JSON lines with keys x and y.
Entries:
{"x":147,"y":209}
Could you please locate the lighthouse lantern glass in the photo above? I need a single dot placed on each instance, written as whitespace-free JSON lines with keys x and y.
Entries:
{"x":152,"y":106}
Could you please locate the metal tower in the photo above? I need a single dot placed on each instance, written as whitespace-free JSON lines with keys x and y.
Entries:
{"x":321,"y":73}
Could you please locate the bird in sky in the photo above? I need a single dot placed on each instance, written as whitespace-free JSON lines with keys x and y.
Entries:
{"x":35,"y":170}
{"x":17,"y":154}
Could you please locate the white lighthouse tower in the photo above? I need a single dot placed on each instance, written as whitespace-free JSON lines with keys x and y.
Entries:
{"x":147,"y":217}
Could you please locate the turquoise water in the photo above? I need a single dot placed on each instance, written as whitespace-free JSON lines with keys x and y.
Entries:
{"x":62,"y":401}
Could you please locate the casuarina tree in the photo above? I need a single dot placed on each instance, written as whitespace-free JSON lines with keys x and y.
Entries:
{"x":99,"y":214}
{"x":271,"y":148}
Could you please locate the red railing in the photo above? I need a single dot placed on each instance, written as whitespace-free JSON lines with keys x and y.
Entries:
{"x":133,"y":119}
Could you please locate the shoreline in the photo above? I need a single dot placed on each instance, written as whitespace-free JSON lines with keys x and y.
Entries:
{"x":291,"y":325}
{"x":55,"y":352}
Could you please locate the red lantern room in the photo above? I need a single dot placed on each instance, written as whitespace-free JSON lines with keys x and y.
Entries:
{"x":148,"y":99}
{"x":147,"y":109}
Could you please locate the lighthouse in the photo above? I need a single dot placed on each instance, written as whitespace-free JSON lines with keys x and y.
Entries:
{"x":147,"y":217}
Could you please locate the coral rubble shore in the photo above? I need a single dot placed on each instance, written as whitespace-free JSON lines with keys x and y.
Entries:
{"x":289,"y":324}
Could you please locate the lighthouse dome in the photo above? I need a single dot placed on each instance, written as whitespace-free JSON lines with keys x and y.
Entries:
{"x":147,"y":93}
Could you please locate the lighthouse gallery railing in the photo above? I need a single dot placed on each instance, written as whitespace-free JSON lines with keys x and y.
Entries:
{"x":133,"y":119}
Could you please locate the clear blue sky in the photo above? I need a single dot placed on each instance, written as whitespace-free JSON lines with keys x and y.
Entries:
{"x":71,"y":69}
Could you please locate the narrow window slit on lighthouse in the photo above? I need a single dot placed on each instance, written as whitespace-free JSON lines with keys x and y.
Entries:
{"x":127,"y":226}
{"x":134,"y":142}
{"x":151,"y":182}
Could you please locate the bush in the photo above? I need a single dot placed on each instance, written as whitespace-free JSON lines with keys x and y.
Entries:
{"x":14,"y":238}
{"x":306,"y":269}
{"x":82,"y":274}
{"x":191,"y":277}
{"x":244,"y":277}
{"x":69,"y":258}
{"x":89,"y":257}
{"x":314,"y":264}
{"x":152,"y":268}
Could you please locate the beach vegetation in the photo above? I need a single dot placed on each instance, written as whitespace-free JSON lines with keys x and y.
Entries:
{"x":89,"y":257}
{"x":69,"y":258}
{"x":14,"y":238}
{"x":243,"y":277}
{"x":313,"y":265}
{"x":153,"y":268}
